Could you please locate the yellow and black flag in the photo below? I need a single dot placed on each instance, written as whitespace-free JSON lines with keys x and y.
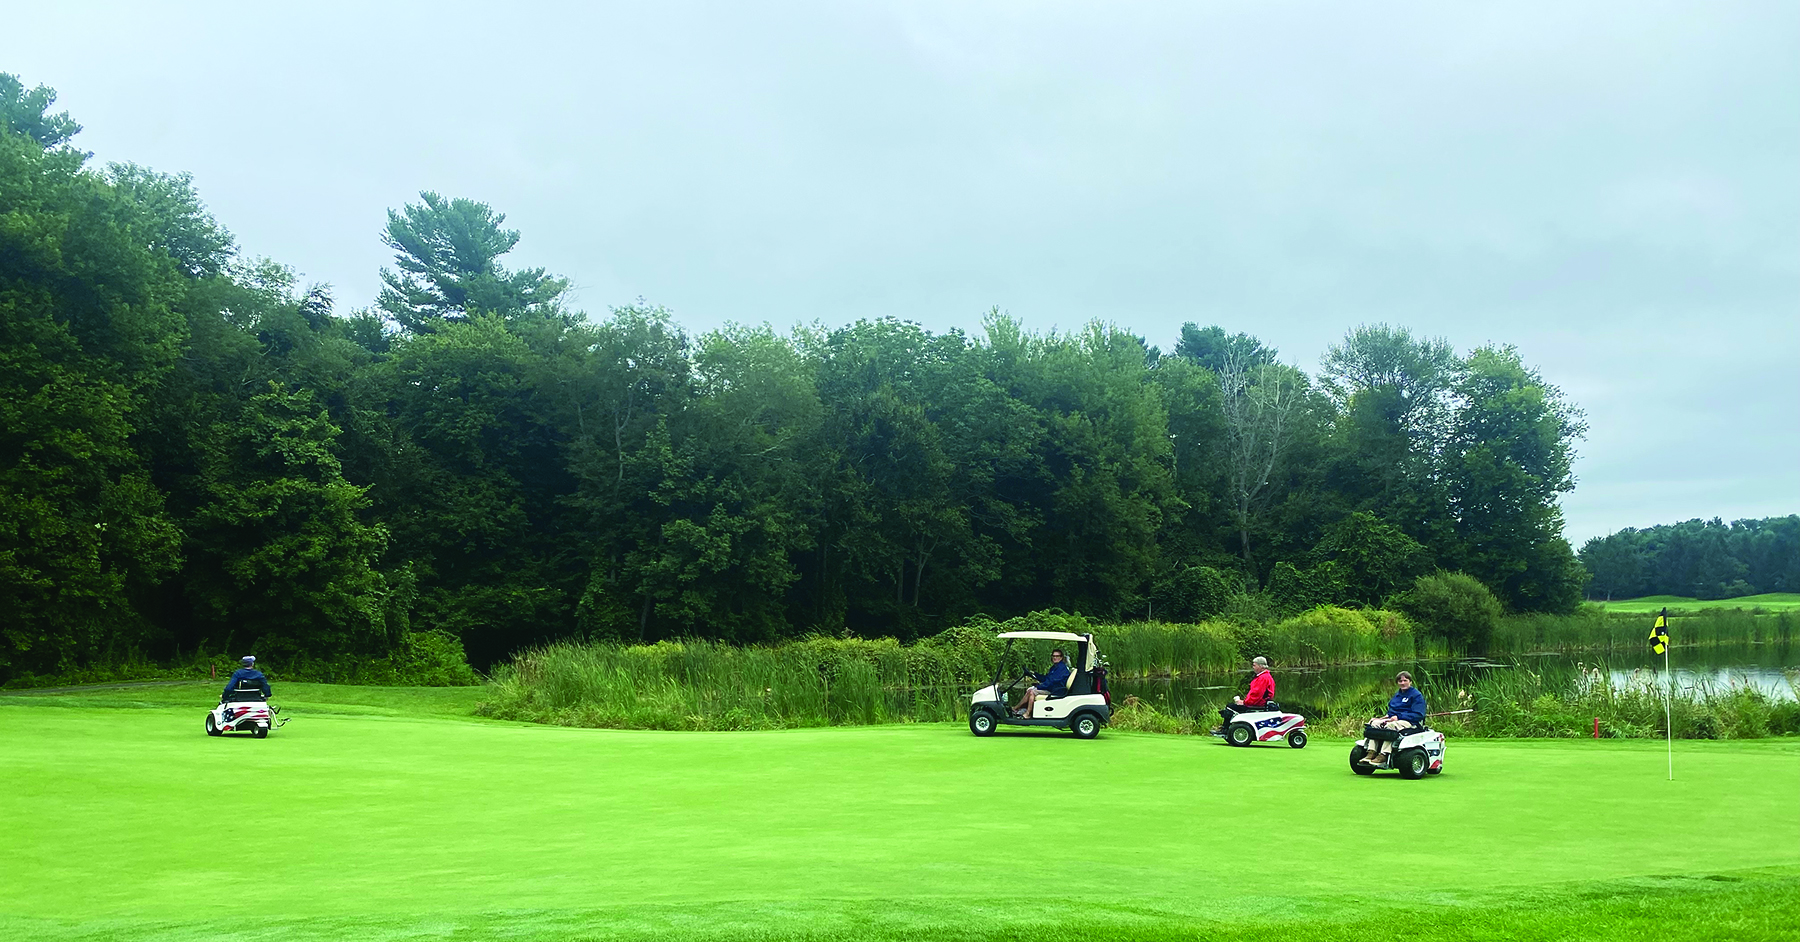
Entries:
{"x":1659,"y":633}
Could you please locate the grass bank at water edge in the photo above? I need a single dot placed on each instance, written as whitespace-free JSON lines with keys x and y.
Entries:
{"x":1592,"y":629}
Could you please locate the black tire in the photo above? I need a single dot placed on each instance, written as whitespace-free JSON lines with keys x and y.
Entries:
{"x":1297,"y":738}
{"x":1412,"y":763}
{"x":982,"y":723}
{"x":260,"y":732}
{"x":212,"y":728}
{"x":1356,"y":764}
{"x":1085,"y":726}
{"x":1240,"y":734}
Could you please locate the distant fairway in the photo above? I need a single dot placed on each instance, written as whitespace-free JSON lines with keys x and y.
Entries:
{"x":120,"y":820}
{"x":1768,"y":601}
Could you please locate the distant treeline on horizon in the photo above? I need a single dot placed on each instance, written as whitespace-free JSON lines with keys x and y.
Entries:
{"x":196,"y":450}
{"x":1704,"y":559}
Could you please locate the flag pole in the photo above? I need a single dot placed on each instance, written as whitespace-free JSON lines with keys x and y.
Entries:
{"x":1659,"y":644}
{"x":1668,"y":712}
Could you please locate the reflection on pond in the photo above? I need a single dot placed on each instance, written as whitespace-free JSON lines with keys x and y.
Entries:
{"x":1333,"y":691}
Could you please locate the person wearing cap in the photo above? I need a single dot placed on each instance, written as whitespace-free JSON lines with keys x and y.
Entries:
{"x":1260,"y":694}
{"x":1405,"y":710}
{"x":247,"y":673}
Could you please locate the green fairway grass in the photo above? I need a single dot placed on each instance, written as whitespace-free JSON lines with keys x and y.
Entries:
{"x":387,"y":815}
{"x":1768,"y":601}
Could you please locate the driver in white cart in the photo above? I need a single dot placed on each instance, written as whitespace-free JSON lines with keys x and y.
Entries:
{"x":252,"y":678}
{"x":1405,"y":710}
{"x":1056,"y":679}
{"x":1259,"y":696}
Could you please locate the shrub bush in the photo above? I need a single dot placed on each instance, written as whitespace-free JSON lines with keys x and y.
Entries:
{"x":1455,"y":607}
{"x":1296,"y":590}
{"x":1195,"y":593}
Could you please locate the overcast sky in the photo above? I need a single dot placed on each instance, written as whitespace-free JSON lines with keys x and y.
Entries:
{"x":1614,"y":188}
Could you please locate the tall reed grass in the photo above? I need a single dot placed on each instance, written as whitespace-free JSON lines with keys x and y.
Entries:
{"x":1323,"y":637}
{"x":707,"y":685}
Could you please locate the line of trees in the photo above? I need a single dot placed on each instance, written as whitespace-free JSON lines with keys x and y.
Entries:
{"x":1704,"y":559}
{"x":198,"y":450}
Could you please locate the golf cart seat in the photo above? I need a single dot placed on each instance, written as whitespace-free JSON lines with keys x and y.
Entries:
{"x":1383,"y":734}
{"x":241,"y":693}
{"x":1068,"y":687}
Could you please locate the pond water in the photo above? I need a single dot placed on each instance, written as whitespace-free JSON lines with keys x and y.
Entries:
{"x":1762,"y":666}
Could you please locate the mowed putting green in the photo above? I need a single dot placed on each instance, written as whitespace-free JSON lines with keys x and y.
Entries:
{"x":120,"y":820}
{"x":1768,"y":602}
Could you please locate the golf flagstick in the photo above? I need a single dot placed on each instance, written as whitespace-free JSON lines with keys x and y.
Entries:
{"x":1659,"y":644}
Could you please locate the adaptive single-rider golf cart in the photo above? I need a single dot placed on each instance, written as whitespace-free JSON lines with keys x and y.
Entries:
{"x":1082,"y":705}
{"x":1417,"y":752}
{"x":243,"y":710}
{"x":1264,"y":723}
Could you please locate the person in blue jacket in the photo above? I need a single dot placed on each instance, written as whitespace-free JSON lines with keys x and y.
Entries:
{"x":1056,"y":680}
{"x":248,"y":673}
{"x":1405,"y":710}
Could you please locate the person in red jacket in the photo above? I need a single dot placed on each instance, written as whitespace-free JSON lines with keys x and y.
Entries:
{"x":1259,"y":696}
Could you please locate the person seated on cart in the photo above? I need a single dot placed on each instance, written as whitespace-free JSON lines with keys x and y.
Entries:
{"x":1405,"y":710}
{"x":252,"y":678}
{"x":1258,"y":697}
{"x":1056,"y":680}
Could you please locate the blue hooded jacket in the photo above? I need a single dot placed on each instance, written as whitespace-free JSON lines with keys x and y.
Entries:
{"x":1408,"y":704}
{"x":251,"y":674}
{"x":1057,"y":679}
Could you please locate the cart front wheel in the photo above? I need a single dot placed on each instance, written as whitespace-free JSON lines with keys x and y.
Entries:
{"x":1297,"y":739}
{"x":981,"y":723}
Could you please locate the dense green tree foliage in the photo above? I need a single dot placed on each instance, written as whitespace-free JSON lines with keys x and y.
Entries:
{"x":197,"y":451}
{"x":1706,"y":559}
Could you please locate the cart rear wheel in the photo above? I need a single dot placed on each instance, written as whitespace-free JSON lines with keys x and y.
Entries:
{"x":1297,"y":739}
{"x":1086,"y":726}
{"x":260,"y":732}
{"x":212,"y":728}
{"x":1356,"y":760}
{"x":1412,"y":763}
{"x":1240,"y":734}
{"x":981,"y":723}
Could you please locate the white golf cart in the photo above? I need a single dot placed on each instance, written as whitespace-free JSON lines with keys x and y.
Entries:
{"x":244,"y":709}
{"x":1418,"y":751}
{"x":1082,"y":705}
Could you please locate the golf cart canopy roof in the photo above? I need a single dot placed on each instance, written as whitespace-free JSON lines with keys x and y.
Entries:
{"x":1045,"y":635}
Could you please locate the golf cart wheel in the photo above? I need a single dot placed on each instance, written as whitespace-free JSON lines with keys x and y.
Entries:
{"x":212,"y":728}
{"x":1356,"y":764}
{"x":1297,"y":739}
{"x":1412,"y":763}
{"x":1240,"y":734}
{"x":981,"y":723}
{"x":1086,"y":726}
{"x":260,"y":732}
